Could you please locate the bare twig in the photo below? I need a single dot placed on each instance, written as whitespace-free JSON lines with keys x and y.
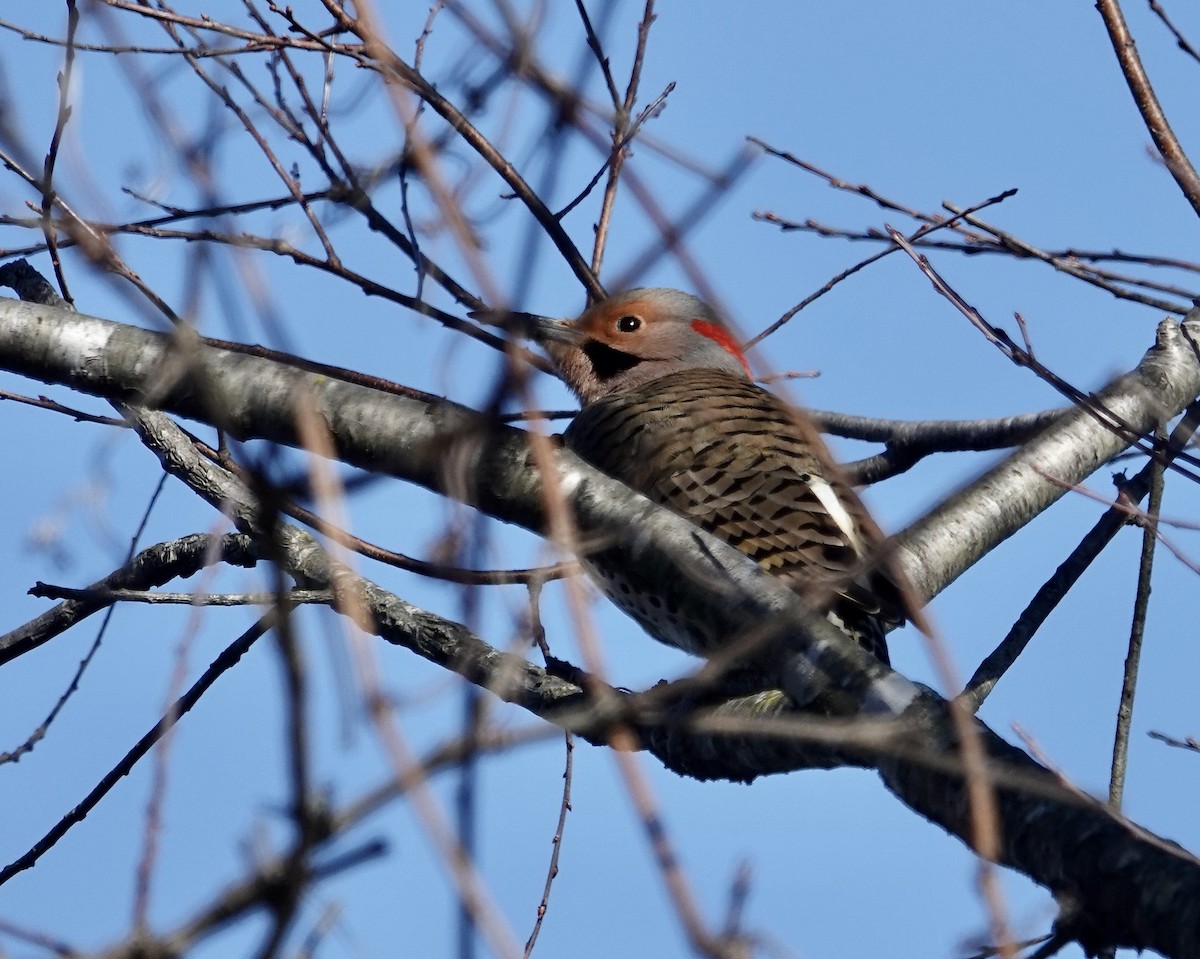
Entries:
{"x":1191,"y":744}
{"x":1180,"y":40}
{"x":151,"y":567}
{"x":623,"y":133}
{"x":1173,"y":154}
{"x":1101,"y":279}
{"x":219,"y":666}
{"x":555,"y":843}
{"x":1023,"y":357}
{"x":924,"y":230}
{"x":64,"y":113}
{"x":1141,"y":603}
{"x":1054,"y":589}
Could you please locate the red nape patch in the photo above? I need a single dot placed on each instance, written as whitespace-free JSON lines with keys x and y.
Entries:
{"x":720,"y":336}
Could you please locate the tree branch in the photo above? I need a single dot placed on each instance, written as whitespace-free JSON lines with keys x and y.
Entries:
{"x":154,"y":566}
{"x":1174,"y":156}
{"x":938,"y":548}
{"x":412,"y":438}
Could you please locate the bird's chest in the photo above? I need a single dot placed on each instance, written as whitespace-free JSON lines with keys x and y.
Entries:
{"x":646,"y":448}
{"x":682,"y":448}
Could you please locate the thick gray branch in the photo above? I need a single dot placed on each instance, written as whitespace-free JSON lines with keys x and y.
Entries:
{"x":937,"y":549}
{"x":454,"y":451}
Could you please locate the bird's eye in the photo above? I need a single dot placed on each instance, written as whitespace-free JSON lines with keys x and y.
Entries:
{"x":628,"y":324}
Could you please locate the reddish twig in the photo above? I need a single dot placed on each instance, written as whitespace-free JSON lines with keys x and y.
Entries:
{"x":1153,"y":115}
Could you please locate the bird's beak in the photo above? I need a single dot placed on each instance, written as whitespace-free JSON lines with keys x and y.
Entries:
{"x":545,"y":329}
{"x":540,"y":329}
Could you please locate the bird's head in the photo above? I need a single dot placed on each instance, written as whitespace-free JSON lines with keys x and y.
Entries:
{"x":628,"y":340}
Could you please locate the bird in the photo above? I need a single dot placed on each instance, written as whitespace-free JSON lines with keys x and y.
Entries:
{"x":669,"y":407}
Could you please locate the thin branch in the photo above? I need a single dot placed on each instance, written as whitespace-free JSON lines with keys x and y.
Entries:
{"x":367,"y":285}
{"x":1065,"y":261}
{"x":85,"y":662}
{"x":1191,"y":744}
{"x":219,"y":666}
{"x":555,"y":843}
{"x":1180,"y":40}
{"x":1051,"y":593}
{"x":376,"y":56}
{"x":1024,"y":357}
{"x":1066,"y":265}
{"x":924,"y":230}
{"x":153,"y":566}
{"x":910,"y":441}
{"x":64,"y":114}
{"x":1173,"y":154}
{"x":1141,"y":603}
{"x":837,"y":183}
{"x":79,"y":416}
{"x":593,"y":42}
{"x":623,"y":133}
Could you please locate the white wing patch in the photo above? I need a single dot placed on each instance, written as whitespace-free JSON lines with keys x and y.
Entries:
{"x":837,"y":511}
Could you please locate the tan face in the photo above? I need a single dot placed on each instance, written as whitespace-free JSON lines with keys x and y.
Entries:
{"x":626,"y":325}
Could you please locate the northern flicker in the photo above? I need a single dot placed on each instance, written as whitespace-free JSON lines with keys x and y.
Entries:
{"x":669,"y":407}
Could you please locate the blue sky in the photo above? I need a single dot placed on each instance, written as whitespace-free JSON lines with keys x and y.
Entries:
{"x":926,"y":101}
